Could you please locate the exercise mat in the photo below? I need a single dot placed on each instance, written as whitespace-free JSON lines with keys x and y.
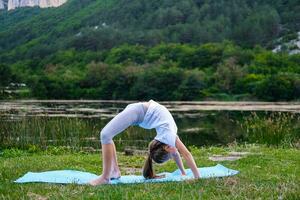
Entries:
{"x":79,"y":177}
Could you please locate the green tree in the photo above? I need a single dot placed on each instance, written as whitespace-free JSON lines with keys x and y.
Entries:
{"x":157,"y":83}
{"x":126,"y":53}
{"x":276,"y":88}
{"x":227,"y":75}
{"x":5,"y":78}
{"x":261,"y":26}
{"x":191,"y":86}
{"x":208,"y":55}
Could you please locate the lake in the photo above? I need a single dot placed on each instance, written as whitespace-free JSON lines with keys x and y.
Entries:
{"x":77,"y":123}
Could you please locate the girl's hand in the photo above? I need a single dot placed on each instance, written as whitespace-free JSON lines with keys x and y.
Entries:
{"x":188,"y":157}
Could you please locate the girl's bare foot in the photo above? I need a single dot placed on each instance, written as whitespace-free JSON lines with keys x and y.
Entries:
{"x":99,"y":181}
{"x":115,"y":174}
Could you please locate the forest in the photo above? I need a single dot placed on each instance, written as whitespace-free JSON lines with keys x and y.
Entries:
{"x":138,"y":49}
{"x":222,"y":71}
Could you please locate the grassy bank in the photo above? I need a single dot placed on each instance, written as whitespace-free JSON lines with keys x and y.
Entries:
{"x":266,"y":173}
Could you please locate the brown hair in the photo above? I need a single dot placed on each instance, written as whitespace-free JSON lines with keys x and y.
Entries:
{"x":157,"y":153}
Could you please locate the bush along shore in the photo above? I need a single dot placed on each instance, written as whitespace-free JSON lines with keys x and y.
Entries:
{"x":218,"y":71}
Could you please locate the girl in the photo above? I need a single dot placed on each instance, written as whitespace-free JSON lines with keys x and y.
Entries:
{"x":165,"y":145}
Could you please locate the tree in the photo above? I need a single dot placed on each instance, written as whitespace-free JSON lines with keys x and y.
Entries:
{"x":191,"y":86}
{"x":126,"y":53}
{"x":227,"y":75}
{"x":157,"y":83}
{"x":5,"y":77}
{"x":261,"y":26}
{"x":276,"y":88}
{"x":207,"y":55}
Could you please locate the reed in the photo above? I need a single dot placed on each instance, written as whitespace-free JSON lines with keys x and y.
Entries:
{"x":45,"y":131}
{"x":42,"y":132}
{"x":275,"y":128}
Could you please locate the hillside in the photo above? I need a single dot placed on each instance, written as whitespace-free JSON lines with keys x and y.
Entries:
{"x":85,"y":24}
{"x":98,"y":49}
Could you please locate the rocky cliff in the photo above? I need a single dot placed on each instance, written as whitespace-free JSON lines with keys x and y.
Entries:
{"x":2,"y":4}
{"x":291,"y":46}
{"x":12,"y":4}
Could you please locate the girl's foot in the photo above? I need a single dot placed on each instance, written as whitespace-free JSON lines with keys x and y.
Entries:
{"x":115,"y":175}
{"x":99,"y":181}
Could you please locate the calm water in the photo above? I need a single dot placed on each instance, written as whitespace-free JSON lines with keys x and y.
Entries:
{"x":78,"y":123}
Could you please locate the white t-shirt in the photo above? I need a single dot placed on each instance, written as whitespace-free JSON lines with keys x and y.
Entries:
{"x":158,"y":117}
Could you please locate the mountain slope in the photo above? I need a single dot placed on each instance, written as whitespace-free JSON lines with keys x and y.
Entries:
{"x":103,"y":24}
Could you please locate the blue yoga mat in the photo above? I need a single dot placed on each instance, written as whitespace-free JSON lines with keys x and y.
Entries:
{"x":79,"y":177}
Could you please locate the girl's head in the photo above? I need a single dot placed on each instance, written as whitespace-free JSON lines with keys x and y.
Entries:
{"x":159,"y":152}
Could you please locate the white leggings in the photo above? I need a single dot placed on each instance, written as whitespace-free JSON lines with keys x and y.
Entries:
{"x":133,"y":114}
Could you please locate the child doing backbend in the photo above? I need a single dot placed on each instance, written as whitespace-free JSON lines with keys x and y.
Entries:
{"x":165,"y":145}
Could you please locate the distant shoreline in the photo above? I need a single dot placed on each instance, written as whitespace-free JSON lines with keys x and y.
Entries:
{"x":175,"y":105}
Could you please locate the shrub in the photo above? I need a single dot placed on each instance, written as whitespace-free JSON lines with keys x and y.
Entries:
{"x":157,"y":83}
{"x":192,"y":86}
{"x":227,"y":75}
{"x":276,"y":88}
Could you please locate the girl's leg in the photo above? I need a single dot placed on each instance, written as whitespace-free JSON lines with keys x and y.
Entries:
{"x":131,"y":115}
{"x":107,"y":155}
{"x":115,"y":172}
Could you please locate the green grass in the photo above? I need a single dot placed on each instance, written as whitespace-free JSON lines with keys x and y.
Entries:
{"x":268,"y":173}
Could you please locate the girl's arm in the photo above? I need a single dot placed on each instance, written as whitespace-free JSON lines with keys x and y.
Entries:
{"x":188,"y":157}
{"x":177,"y":159}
